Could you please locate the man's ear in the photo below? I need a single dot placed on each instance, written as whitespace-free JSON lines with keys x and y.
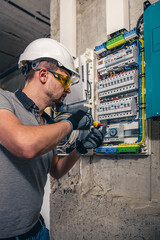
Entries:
{"x":43,"y":75}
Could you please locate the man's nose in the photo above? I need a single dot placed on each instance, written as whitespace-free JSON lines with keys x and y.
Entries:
{"x":68,"y":90}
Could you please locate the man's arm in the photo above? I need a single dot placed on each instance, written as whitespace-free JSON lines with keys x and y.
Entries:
{"x":60,"y":166}
{"x":29,"y":141}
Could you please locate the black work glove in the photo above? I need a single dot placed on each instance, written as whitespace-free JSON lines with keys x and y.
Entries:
{"x":80,"y":120}
{"x":93,"y":140}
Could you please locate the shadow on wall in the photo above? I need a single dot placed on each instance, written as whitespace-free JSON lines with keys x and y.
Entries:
{"x":155,"y":129}
{"x":13,"y":81}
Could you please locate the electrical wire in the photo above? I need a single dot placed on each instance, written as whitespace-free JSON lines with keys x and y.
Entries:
{"x":61,"y":148}
{"x":140,"y":21}
{"x":141,"y":140}
{"x":54,"y":110}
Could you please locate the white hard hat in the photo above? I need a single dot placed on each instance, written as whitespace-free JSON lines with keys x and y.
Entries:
{"x":47,"y":48}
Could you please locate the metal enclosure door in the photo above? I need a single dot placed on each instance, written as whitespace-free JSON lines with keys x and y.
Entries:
{"x":152,"y":59}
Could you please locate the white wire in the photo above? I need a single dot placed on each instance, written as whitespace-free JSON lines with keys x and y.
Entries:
{"x":73,"y":136}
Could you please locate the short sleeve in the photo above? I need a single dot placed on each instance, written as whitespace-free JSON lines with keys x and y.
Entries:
{"x":5,"y":100}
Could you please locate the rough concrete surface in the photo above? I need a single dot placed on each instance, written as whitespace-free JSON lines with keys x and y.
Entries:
{"x":90,"y":14}
{"x":55,"y":19}
{"x":88,"y":204}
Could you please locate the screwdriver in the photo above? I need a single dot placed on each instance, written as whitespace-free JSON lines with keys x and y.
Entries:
{"x":96,"y":124}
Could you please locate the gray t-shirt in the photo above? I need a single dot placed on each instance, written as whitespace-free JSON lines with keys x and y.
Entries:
{"x":22,"y":181}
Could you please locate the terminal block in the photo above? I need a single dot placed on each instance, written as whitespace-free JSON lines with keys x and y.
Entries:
{"x":118,"y":84}
{"x":128,"y":148}
{"x":107,"y":149}
{"x":114,"y":42}
{"x":130,"y":34}
{"x":122,"y":108}
{"x":101,"y":48}
{"x":116,"y":61}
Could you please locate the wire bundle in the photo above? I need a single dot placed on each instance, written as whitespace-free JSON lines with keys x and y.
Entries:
{"x":70,"y":139}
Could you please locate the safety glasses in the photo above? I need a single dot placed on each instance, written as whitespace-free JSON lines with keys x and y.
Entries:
{"x":64,"y":80}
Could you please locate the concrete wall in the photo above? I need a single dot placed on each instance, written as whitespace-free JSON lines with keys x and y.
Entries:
{"x":106,"y":198}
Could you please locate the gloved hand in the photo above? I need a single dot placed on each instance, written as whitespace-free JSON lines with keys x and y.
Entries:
{"x":80,"y":120}
{"x":93,"y":140}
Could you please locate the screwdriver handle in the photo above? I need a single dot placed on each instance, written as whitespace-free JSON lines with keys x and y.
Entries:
{"x":96,"y":124}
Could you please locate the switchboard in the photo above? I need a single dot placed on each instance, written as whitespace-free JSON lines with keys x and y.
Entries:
{"x":120,"y":93}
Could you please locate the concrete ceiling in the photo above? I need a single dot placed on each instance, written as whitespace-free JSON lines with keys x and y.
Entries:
{"x":20,"y":23}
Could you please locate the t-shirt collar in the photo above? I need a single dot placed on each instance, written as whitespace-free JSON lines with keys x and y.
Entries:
{"x":26,"y":101}
{"x":29,"y":104}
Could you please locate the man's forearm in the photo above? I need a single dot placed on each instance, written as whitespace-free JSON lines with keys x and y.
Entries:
{"x":49,"y":136}
{"x":63,"y":165}
{"x":30,"y":141}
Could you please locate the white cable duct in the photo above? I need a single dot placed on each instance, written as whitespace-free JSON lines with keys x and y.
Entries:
{"x":73,"y":135}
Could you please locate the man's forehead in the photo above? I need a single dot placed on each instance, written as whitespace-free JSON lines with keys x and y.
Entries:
{"x":64,"y":72}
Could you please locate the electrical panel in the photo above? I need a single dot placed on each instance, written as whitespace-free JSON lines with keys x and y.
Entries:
{"x":120,"y":94}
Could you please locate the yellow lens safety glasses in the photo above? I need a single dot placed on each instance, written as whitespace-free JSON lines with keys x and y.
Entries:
{"x":64,"y":80}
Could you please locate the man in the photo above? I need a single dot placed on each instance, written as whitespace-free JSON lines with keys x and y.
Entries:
{"x":28,"y":138}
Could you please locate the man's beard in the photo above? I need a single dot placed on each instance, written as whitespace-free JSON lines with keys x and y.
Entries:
{"x":61,"y":99}
{"x":59,"y":102}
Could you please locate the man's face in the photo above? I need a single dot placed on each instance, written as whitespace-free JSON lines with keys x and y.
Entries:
{"x":61,"y":99}
{"x":59,"y":93}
